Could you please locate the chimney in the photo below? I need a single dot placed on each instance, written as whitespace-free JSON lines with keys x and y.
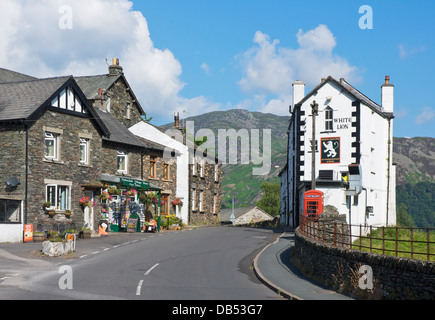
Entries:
{"x":298,"y":93}
{"x":115,"y":69}
{"x":387,"y":96}
{"x":100,"y":100}
{"x":176,"y":120}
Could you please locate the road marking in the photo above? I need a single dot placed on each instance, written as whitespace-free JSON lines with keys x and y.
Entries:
{"x":85,"y":255}
{"x":95,"y":252}
{"x":139,"y":287}
{"x":151,"y":269}
{"x":106,"y":249}
{"x":116,"y":246}
{"x":4,"y":278}
{"x":134,"y":241}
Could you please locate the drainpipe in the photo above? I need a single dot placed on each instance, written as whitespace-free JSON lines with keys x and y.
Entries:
{"x":388,"y":169}
{"x":26,"y":127}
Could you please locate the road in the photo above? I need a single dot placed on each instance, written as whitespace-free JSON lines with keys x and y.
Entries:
{"x":212,"y":263}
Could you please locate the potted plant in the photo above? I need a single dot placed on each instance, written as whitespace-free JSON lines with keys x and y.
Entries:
{"x":177,"y":202}
{"x":85,"y":202}
{"x":39,"y":236}
{"x":86,"y":232}
{"x":47,"y":204}
{"x":51,"y":213}
{"x":67,"y":213}
{"x":105,"y":196}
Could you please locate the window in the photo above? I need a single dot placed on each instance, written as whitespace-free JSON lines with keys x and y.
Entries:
{"x":127,"y":111}
{"x":122,"y":161}
{"x":51,"y":150}
{"x":84,"y":151}
{"x":328,"y":119}
{"x":166,"y":171}
{"x":214,"y":203}
{"x":10,"y":211}
{"x":201,"y":202}
{"x":165,"y":204}
{"x":193,"y":199}
{"x":152,"y":166}
{"x":58,"y":196}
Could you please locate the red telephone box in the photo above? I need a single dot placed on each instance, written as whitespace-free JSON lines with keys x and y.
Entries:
{"x":313,"y":204}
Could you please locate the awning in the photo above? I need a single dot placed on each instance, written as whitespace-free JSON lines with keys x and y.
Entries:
{"x":129,"y":182}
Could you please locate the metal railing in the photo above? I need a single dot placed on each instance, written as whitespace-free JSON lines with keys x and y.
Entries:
{"x":414,"y":243}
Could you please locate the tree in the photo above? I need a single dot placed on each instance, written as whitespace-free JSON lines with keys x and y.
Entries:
{"x":404,"y":219}
{"x":270,"y":201}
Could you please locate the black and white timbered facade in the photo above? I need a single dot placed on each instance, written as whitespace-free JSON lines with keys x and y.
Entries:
{"x":353,"y":139}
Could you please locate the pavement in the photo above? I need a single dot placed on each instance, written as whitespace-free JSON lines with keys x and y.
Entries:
{"x":272,"y":265}
{"x":274,"y":268}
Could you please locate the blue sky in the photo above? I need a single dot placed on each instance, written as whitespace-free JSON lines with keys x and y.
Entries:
{"x":195,"y":56}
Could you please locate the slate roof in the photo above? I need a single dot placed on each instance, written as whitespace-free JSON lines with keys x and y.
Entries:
{"x":91,"y":84}
{"x":20,"y":100}
{"x":118,"y":132}
{"x":226,"y":213}
{"x":12,"y":76}
{"x":352,"y":91}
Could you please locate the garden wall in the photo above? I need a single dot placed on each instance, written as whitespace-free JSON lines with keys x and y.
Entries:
{"x":393,"y":278}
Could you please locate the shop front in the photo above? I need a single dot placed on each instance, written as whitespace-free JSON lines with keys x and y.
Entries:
{"x":129,"y":205}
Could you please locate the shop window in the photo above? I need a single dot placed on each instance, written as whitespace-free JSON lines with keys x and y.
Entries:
{"x":166,"y":171}
{"x":122,"y":161}
{"x":51,"y":150}
{"x":59,"y":196}
{"x":10,"y":211}
{"x":152,"y":166}
{"x":84,"y":151}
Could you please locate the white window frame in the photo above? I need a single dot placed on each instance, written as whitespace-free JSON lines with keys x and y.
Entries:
{"x":84,"y":143}
{"x":329,"y":119}
{"x":193,"y":204}
{"x":122,"y":154}
{"x":57,"y":201}
{"x":50,"y":136}
{"x":201,"y":201}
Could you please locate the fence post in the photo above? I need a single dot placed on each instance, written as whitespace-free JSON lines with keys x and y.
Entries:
{"x":335,"y":234}
{"x":360,"y":236}
{"x":370,"y":239}
{"x":397,"y":240}
{"x":428,"y":244}
{"x":412,"y":243}
{"x":383,"y":240}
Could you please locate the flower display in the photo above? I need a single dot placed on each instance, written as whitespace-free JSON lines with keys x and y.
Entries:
{"x":85,"y":202}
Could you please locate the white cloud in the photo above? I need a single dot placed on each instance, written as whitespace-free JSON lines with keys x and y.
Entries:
{"x":427,"y":114}
{"x":270,"y":69}
{"x":405,"y":52}
{"x":204,"y":66}
{"x":33,"y":43}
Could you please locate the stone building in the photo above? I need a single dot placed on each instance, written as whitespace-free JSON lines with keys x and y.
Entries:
{"x":51,"y":143}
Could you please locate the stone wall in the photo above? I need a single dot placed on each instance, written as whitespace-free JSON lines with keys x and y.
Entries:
{"x":211,"y":189}
{"x":393,"y":278}
{"x":67,"y":169}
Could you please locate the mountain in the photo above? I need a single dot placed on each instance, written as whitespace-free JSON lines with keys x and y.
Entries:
{"x":415,"y":157}
{"x":238,"y":180}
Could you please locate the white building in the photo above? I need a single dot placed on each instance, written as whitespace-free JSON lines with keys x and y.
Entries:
{"x":152,"y":133}
{"x":352,"y":133}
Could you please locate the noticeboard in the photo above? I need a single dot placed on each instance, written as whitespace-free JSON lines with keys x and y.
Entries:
{"x":131,"y":225}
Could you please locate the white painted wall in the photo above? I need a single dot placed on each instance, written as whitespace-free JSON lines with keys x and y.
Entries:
{"x":150,"y":132}
{"x":11,"y":233}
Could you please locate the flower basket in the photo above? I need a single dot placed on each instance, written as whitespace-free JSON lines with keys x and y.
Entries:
{"x":85,"y":202}
{"x":68,"y":213}
{"x":51,"y":213}
{"x":177,"y":202}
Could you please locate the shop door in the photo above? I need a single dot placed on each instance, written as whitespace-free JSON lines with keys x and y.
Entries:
{"x":89,"y":212}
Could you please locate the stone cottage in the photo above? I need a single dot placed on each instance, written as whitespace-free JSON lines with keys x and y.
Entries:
{"x":50,"y":151}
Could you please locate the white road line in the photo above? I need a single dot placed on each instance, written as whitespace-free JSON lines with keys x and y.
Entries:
{"x":134,"y":241}
{"x":151,"y":269}
{"x":95,"y":252}
{"x":105,"y":249}
{"x":139,"y":287}
{"x":116,"y":246}
{"x":4,"y":278}
{"x":85,"y":255}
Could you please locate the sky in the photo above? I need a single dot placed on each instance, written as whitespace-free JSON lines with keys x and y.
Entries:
{"x":197,"y":56}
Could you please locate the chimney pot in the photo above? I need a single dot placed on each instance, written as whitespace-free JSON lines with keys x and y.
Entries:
{"x":115,"y":69}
